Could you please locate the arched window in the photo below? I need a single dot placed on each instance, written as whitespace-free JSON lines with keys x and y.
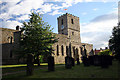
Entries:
{"x":72,"y":33}
{"x":66,"y":50}
{"x":62,"y":22}
{"x":10,"y":39}
{"x":57,"y":50}
{"x":62,"y":50}
{"x":81,"y":50}
{"x":74,"y":51}
{"x":76,"y":54}
{"x":72,"y":21}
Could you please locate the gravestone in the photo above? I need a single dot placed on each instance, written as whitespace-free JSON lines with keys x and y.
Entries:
{"x":68,"y":64}
{"x":86,"y":61}
{"x":104,"y":61}
{"x":78,"y":62}
{"x":110,"y":60}
{"x":72,"y":61}
{"x":97,"y":60}
{"x":51,"y":65}
{"x":91,"y":60}
{"x":30,"y":64}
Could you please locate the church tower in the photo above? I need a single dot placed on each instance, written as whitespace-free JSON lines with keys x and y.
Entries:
{"x":68,"y":24}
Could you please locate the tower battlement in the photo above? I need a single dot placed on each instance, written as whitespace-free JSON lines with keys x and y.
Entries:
{"x":68,"y":24}
{"x":68,"y":14}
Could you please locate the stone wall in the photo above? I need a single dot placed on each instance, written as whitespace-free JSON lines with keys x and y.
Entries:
{"x":64,"y":41}
{"x":11,"y":38}
{"x":9,"y":44}
{"x":6,"y":35}
{"x":65,"y":30}
{"x":70,"y":29}
{"x":88,"y":47}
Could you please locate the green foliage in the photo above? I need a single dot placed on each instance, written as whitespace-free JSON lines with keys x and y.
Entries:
{"x":41,"y":58}
{"x":105,"y":52}
{"x":36,"y":37}
{"x":114,"y":42}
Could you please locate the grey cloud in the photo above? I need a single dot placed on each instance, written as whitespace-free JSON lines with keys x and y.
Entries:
{"x":105,"y":17}
{"x":98,"y":39}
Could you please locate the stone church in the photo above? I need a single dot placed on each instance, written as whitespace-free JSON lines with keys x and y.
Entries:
{"x":68,"y":37}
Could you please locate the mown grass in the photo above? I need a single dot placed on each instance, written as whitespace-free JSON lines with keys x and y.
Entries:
{"x":78,"y":71}
{"x":19,"y":65}
{"x":16,"y":69}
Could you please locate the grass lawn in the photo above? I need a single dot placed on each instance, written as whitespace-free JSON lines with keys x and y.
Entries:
{"x":78,"y":71}
{"x":20,"y":65}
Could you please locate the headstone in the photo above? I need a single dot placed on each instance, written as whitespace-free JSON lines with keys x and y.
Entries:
{"x":97,"y":60}
{"x":86,"y":61}
{"x":85,"y":53}
{"x":78,"y":62}
{"x":91,"y":53}
{"x":104,"y":61}
{"x":51,"y":66}
{"x":30,"y":64}
{"x":111,"y":58}
{"x":68,"y":64}
{"x":91,"y":60}
{"x":72,"y":61}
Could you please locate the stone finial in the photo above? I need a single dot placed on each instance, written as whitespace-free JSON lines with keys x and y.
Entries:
{"x":17,"y":27}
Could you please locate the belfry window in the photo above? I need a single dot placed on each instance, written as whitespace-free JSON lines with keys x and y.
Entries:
{"x":72,"y":21}
{"x":62,"y":22}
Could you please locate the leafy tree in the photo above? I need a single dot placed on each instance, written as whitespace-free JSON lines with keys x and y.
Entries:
{"x":36,"y":37}
{"x":105,"y":52}
{"x":114,"y":42}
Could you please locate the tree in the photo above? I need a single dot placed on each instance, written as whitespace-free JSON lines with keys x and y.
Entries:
{"x":36,"y":38}
{"x":105,"y":52}
{"x":114,"y":42}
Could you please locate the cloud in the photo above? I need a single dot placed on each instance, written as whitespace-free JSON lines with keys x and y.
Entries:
{"x":10,"y":24}
{"x":95,"y":9}
{"x":105,"y":17}
{"x":115,"y":9}
{"x":76,"y":1}
{"x":23,"y":17}
{"x":98,"y":30}
{"x":24,"y":7}
{"x":13,"y":12}
{"x":56,"y":7}
{"x":55,"y":12}
{"x":88,"y":0}
{"x":46,"y":8}
{"x":84,"y":13}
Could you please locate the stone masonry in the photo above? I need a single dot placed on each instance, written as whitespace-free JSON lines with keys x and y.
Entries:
{"x":68,"y":33}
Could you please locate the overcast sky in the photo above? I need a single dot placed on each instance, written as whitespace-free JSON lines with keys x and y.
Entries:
{"x":97,"y":17}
